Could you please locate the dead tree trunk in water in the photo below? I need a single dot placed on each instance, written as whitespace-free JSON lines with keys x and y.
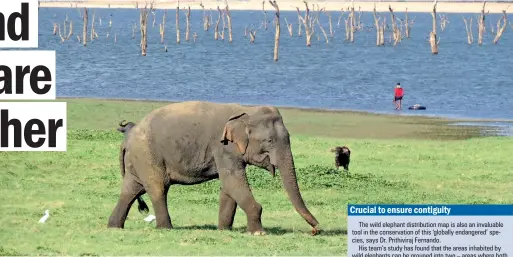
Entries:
{"x":468,"y":28}
{"x":252,"y":35}
{"x":358,"y":23}
{"x":154,"y":19}
{"x":277,"y":24}
{"x":432,"y":36}
{"x":443,"y":22}
{"x":406,"y":25}
{"x":330,"y":24}
{"x":308,"y":25}
{"x":289,"y":27}
{"x":134,"y":28}
{"x":144,"y":25}
{"x":163,"y":27}
{"x":500,"y":29}
{"x":65,"y":37}
{"x":216,"y":28}
{"x":481,"y":26}
{"x":178,"y":22}
{"x":84,"y":31}
{"x":350,"y":25}
{"x":187,"y":23}
{"x":378,"y":27}
{"x":206,"y":23}
{"x":395,"y":30}
{"x":382,"y":31}
{"x":223,"y":19}
{"x":265,"y":15}
{"x":320,"y":27}
{"x":298,"y":22}
{"x":92,"y":26}
{"x":229,"y":18}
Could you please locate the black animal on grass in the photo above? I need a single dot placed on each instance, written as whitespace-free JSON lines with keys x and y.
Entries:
{"x":342,"y":157}
{"x":125,"y":128}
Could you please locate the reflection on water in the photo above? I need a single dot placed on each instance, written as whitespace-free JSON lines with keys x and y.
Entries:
{"x":490,"y":128}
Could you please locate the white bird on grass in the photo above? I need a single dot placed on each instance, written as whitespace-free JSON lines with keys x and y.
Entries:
{"x":150,"y":218}
{"x":45,"y":217}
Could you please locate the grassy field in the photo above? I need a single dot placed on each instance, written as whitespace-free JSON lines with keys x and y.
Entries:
{"x":394,"y":160}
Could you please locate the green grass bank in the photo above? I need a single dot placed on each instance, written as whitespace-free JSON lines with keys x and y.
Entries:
{"x":394,"y":160}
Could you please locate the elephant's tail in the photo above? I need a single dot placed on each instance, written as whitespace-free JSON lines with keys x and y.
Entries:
{"x":142,"y":206}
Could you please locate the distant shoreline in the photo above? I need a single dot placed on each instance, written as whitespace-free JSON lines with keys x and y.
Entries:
{"x":289,"y":5}
{"x":318,"y":110}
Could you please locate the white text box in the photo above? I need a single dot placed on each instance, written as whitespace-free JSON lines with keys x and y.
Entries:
{"x":27,"y":75}
{"x":17,"y":15}
{"x":430,"y":230}
{"x":33,"y":126}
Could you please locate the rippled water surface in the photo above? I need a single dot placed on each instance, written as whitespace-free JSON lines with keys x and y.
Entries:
{"x":461,"y":81}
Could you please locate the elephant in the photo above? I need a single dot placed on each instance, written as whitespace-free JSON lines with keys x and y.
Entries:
{"x":192,"y":142}
{"x":342,"y":157}
{"x":125,"y":129}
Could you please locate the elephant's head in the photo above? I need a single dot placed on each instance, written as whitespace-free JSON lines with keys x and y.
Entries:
{"x":263,"y":140}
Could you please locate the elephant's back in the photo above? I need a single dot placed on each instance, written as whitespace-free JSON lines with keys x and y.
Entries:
{"x":180,"y":130}
{"x":194,"y":108}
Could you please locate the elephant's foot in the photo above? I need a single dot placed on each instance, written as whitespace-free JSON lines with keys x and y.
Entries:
{"x":114,"y":225}
{"x":316,"y":230}
{"x":257,"y":233}
{"x":165,"y":224}
{"x":115,"y":222}
{"x":224,"y":227}
{"x":164,"y":227}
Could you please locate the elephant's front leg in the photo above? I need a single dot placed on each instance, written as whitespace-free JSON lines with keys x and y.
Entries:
{"x":234,"y":183}
{"x":227,"y":209}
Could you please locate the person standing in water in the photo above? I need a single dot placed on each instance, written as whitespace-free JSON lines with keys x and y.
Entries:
{"x":398,"y":96}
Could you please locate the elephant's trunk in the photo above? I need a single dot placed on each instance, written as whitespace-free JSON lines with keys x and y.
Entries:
{"x":288,"y":176}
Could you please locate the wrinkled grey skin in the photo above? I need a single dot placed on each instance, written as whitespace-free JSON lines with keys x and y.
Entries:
{"x":125,"y":129}
{"x":342,"y":157}
{"x":193,"y":142}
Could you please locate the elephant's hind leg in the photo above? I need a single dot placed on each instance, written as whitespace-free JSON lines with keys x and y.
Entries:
{"x":130,"y":190}
{"x":227,"y":209}
{"x":158,"y":195}
{"x":155,"y":180}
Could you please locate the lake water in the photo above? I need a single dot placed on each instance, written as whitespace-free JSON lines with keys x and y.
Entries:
{"x":461,"y":81}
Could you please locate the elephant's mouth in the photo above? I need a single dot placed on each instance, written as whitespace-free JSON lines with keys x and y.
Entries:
{"x":272,"y":170}
{"x":264,"y":161}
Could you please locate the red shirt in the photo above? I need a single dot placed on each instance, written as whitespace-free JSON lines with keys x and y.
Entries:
{"x":398,"y":92}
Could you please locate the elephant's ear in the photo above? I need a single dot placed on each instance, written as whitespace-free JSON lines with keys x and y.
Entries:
{"x":237,"y":131}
